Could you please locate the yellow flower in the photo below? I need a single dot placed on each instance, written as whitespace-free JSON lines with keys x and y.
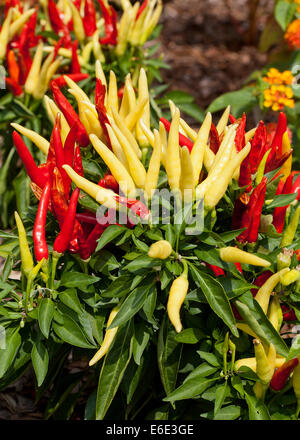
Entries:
{"x":279,"y":94}
{"x":292,"y":35}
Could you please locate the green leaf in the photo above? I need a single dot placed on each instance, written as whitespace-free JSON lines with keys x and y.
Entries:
{"x":40,"y":361}
{"x":70,"y":298}
{"x":257,"y":409}
{"x":221,"y":393}
{"x":140,"y":341}
{"x":132,"y":304}
{"x":193,"y":110}
{"x":169,"y":355}
{"x":45,"y":315}
{"x":230,"y":412}
{"x":282,"y":200}
{"x":78,"y":280}
{"x":109,"y":235}
{"x":284,"y":13}
{"x":70,"y":332}
{"x":113,"y":369}
{"x":209,"y":357}
{"x":294,"y":349}
{"x":9,"y":351}
{"x":241,"y":100}
{"x":190,"y":336}
{"x":190,"y":388}
{"x":142,"y":262}
{"x":216,"y":297}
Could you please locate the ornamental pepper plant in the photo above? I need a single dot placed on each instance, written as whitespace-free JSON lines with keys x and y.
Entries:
{"x":162,"y":256}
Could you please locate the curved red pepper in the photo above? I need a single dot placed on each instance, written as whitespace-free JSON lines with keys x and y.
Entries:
{"x":70,"y":115}
{"x":89,"y":19}
{"x":214,"y":139}
{"x":76,"y":77}
{"x":39,"y":176}
{"x":281,"y":375}
{"x":75,"y":66}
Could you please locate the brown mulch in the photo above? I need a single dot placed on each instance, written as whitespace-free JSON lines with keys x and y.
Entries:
{"x":206,"y":44}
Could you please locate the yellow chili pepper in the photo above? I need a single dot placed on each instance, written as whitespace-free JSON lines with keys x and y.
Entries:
{"x":127,"y":133}
{"x":150,"y":25}
{"x":264,"y":292}
{"x":47,"y":71}
{"x":161,"y":249}
{"x":245,"y":328}
{"x":251,"y":363}
{"x":112,"y":96}
{"x":187,"y":175}
{"x":108,"y":338}
{"x":223,"y":121}
{"x":116,"y":147}
{"x":164,"y":143}
{"x":77,"y":20}
{"x":291,"y":229}
{"x":261,"y":168}
{"x":128,"y":103}
{"x":154,"y":167}
{"x":147,"y":132}
{"x":232,"y":254}
{"x":101,"y":195}
{"x":4,"y":33}
{"x":287,"y":166}
{"x":116,"y":167}
{"x":65,"y":128}
{"x":176,"y":298}
{"x":291,"y":277}
{"x":33,"y":76}
{"x":100,"y":73}
{"x":86,"y":52}
{"x":296,"y":384}
{"x":26,"y":257}
{"x":94,"y":125}
{"x":125,"y":26}
{"x":133,"y":117}
{"x":197,"y":153}
{"x":137,"y":170}
{"x":98,"y":54}
{"x":214,"y":192}
{"x":264,"y":369}
{"x":275,"y":313}
{"x":173,"y":166}
{"x":18,"y":24}
{"x":143,"y":96}
{"x":37,"y":139}
{"x":249,"y":135}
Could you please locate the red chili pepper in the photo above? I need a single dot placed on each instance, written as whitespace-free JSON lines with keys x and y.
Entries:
{"x":14,"y":87}
{"x":232,"y":119}
{"x":258,"y":147}
{"x":245,"y":178}
{"x":75,"y":67}
{"x":214,"y":139}
{"x":281,"y":375}
{"x":136,"y":206}
{"x":296,"y":186}
{"x":84,"y":251}
{"x":218,"y":271}
{"x":110,"y":24}
{"x":89,"y":20}
{"x":279,"y":212}
{"x":76,"y":77}
{"x":183,"y":140}
{"x":70,"y":115}
{"x":141,"y":9}
{"x":109,"y":182}
{"x":69,"y":146}
{"x":94,"y":236}
{"x":13,"y":66}
{"x":280,"y":130}
{"x":297,"y":252}
{"x":55,"y":18}
{"x":251,"y":217}
{"x":240,"y":134}
{"x":60,"y":154}
{"x":89,"y":218}
{"x":39,"y":176}
{"x":78,"y":162}
{"x":63,"y":239}
{"x":39,"y":237}
{"x":100,"y":93}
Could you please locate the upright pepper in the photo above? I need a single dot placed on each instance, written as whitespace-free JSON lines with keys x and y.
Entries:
{"x":39,"y":238}
{"x":89,"y":19}
{"x":26,"y":257}
{"x":291,"y":229}
{"x":63,"y":239}
{"x":264,"y":293}
{"x":280,"y":212}
{"x":183,"y":140}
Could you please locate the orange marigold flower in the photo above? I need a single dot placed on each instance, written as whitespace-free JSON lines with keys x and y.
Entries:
{"x":279,"y":94}
{"x":292,"y":35}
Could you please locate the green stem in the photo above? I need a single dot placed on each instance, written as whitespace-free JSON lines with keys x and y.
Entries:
{"x":53,"y":270}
